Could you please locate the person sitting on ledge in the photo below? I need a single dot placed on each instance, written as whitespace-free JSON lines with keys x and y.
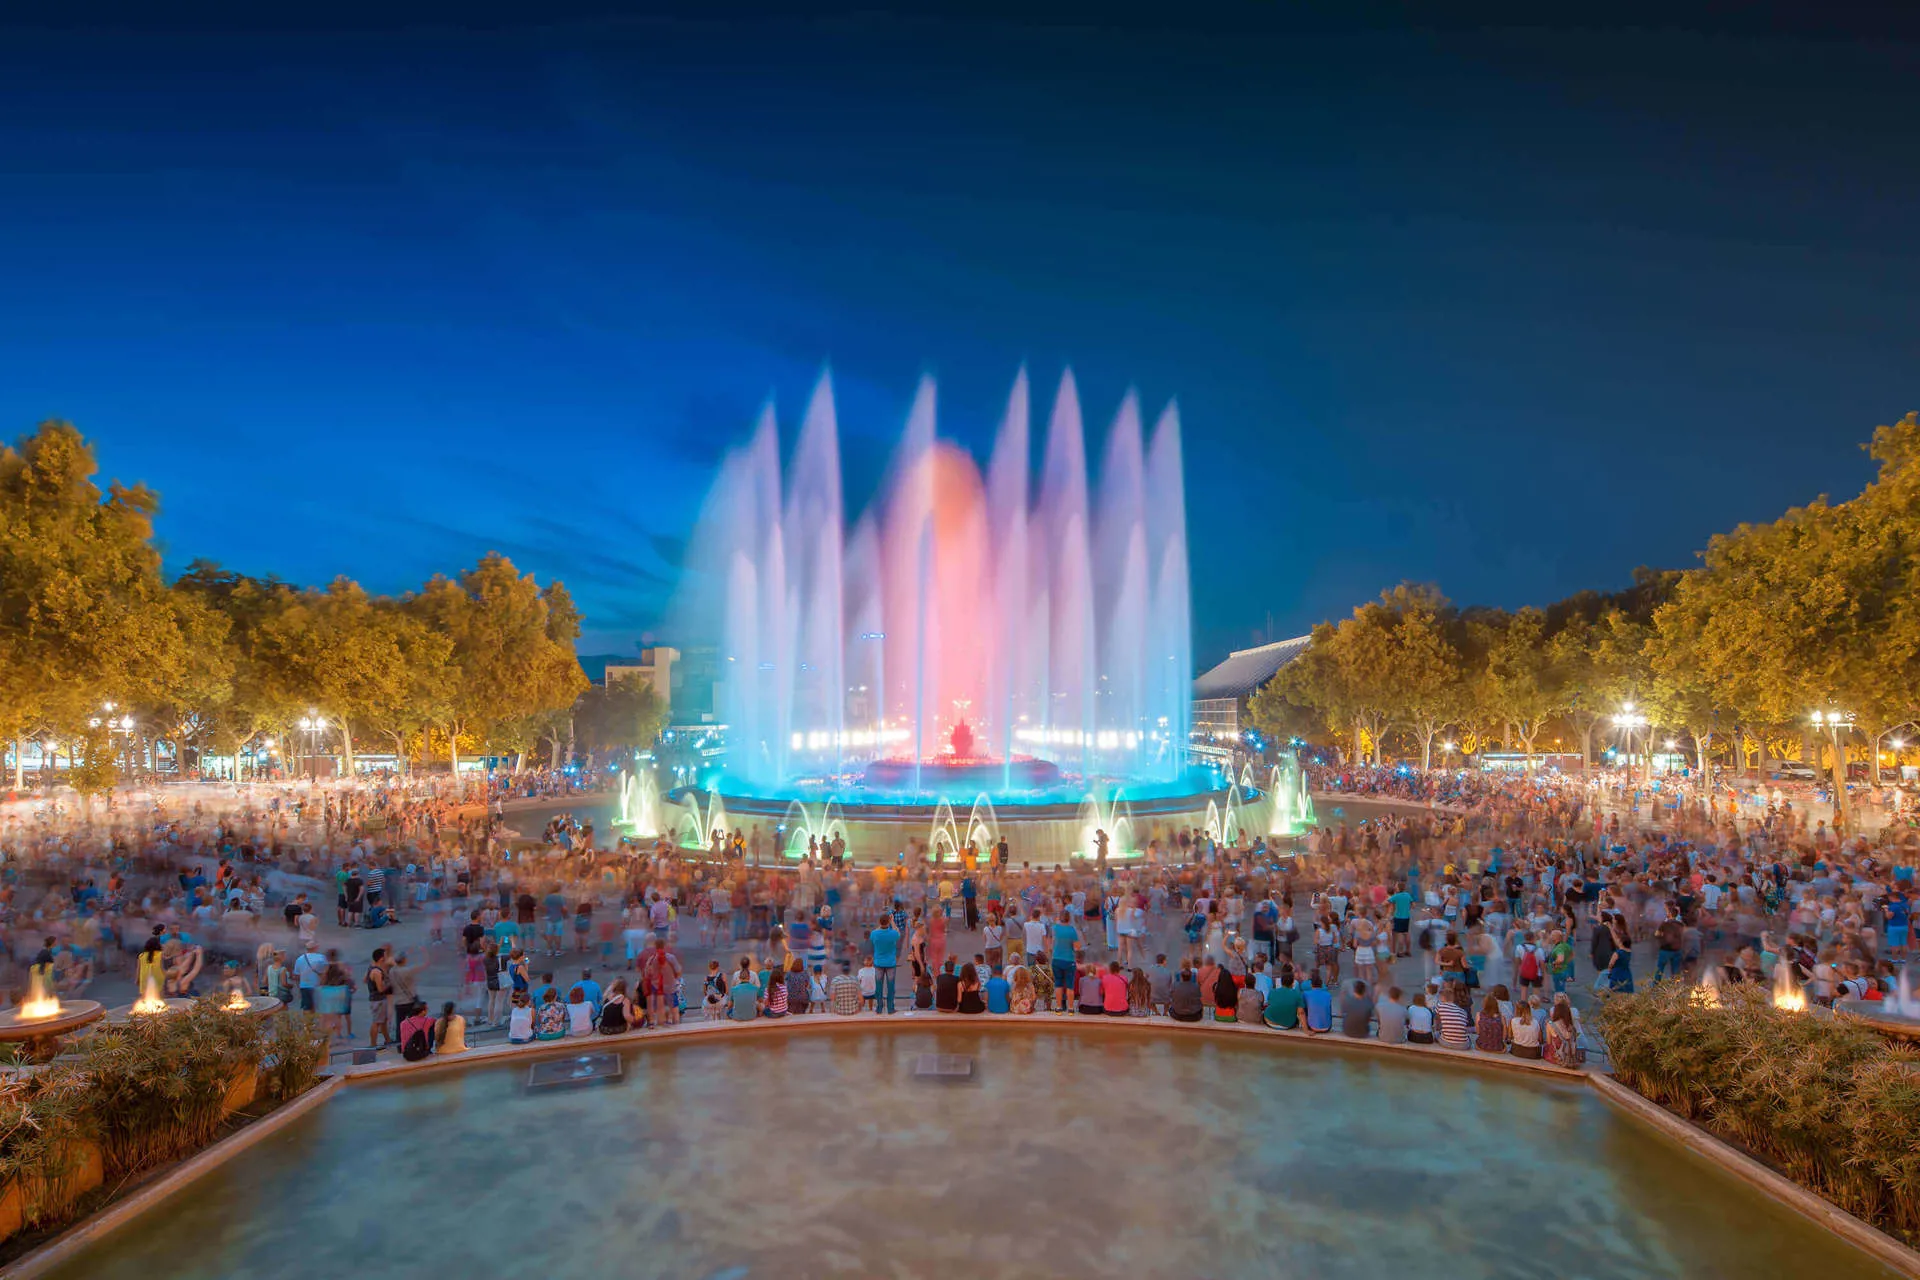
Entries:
{"x":450,"y":1032}
{"x":970,"y":998}
{"x":743,"y":997}
{"x":1319,"y":1007}
{"x":1284,"y":1005}
{"x":1184,"y":1002}
{"x":1021,"y":996}
{"x":550,"y":1019}
{"x":1393,"y":1018}
{"x":946,"y":989}
{"x":843,"y":992}
{"x":520,"y":1019}
{"x":1091,"y":1000}
{"x":616,"y":1012}
{"x":1419,"y":1020}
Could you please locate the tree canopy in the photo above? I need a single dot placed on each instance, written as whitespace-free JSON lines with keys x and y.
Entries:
{"x":215,"y":660}
{"x":1814,"y":610}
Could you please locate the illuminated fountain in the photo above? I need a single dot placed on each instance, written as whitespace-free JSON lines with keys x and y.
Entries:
{"x":972,"y":636}
{"x":1787,"y":993}
{"x":639,"y":813}
{"x":151,"y":1000}
{"x":40,"y":1019}
{"x":41,"y":1003}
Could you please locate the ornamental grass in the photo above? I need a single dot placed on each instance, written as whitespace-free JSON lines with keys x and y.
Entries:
{"x":1824,"y":1099}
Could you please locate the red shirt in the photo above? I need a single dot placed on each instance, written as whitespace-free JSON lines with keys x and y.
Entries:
{"x":1113,"y":989}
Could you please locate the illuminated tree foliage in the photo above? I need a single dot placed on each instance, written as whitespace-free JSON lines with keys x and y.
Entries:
{"x":1817,"y":609}
{"x":216,"y":661}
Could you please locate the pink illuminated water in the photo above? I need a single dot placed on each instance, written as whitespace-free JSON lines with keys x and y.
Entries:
{"x":1053,"y":619}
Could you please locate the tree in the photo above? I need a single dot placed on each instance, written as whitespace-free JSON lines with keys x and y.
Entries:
{"x":1323,"y":678}
{"x":93,"y":772}
{"x":510,"y":651}
{"x":405,"y":708}
{"x":1524,"y":684}
{"x":1276,"y":714}
{"x":1426,"y":674}
{"x":620,"y":716}
{"x":84,"y":613}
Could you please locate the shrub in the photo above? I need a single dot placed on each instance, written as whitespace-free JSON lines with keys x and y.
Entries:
{"x":44,"y":1121}
{"x":296,"y":1053}
{"x":160,"y":1085}
{"x":1824,"y":1099}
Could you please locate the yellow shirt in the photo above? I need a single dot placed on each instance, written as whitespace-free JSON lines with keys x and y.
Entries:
{"x":455,"y":1039}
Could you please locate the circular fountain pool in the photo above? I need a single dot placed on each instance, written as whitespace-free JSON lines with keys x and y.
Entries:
{"x":1076,"y":1153}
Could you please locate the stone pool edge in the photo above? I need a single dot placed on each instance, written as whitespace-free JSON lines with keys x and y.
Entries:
{"x":1863,"y":1235}
{"x":1816,"y":1209}
{"x":87,"y":1232}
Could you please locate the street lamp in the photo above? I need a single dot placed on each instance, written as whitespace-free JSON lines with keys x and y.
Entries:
{"x":123,"y":725}
{"x":1628,"y":720}
{"x":1838,"y":724}
{"x":1446,"y":758}
{"x":312,"y":724}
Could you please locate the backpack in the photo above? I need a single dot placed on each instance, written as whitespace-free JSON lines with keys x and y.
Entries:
{"x":1530,"y":964}
{"x":414,"y":1046}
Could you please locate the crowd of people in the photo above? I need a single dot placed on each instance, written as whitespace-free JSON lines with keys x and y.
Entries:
{"x":1484,"y":923}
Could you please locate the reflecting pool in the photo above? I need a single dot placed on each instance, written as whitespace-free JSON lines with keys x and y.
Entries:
{"x":1081,"y":1154}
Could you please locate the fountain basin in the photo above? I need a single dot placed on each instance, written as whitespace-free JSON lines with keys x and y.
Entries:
{"x":41,"y":1032}
{"x":1310,"y":1164}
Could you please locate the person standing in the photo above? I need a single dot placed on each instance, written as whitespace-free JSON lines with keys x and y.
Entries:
{"x":404,"y":973}
{"x":380,"y":1000}
{"x":307,"y":972}
{"x":659,"y":980}
{"x":885,"y":942}
{"x":1066,"y":946}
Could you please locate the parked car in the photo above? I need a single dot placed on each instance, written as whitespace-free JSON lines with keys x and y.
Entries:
{"x":1794,"y":771}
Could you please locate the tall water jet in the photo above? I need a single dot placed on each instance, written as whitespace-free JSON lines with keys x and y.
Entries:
{"x":1169,"y":648}
{"x":1013,"y":679}
{"x":1064,"y":561}
{"x":1120,"y":585}
{"x":967,"y":635}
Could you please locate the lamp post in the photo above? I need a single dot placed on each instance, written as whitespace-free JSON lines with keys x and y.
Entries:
{"x":313,"y":724}
{"x":1446,"y":756}
{"x":1837,"y":724}
{"x":1628,"y":720}
{"x":122,"y":724}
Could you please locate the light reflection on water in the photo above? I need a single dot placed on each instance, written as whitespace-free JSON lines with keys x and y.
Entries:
{"x":817,"y":1155}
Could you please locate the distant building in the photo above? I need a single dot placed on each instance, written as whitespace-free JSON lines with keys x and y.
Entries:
{"x":655,"y":668}
{"x":1221,"y":695}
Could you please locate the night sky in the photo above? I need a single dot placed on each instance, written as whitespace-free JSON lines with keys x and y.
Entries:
{"x":1512,"y":310}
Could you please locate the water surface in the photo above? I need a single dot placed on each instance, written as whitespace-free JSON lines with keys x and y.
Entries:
{"x":1069,"y":1155}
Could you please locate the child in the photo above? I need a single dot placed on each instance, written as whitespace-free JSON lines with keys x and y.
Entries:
{"x":868,"y":982}
{"x":715,"y":988}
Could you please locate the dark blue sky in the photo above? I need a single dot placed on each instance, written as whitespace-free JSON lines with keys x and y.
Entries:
{"x":1508,"y":309}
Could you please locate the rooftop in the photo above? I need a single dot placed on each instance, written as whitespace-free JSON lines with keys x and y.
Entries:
{"x":1245,"y":670}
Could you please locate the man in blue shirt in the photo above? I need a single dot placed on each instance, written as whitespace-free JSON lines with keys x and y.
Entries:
{"x":1066,"y":942}
{"x":591,"y":990}
{"x":1402,"y":903}
{"x":1319,"y":1007}
{"x":886,"y":958}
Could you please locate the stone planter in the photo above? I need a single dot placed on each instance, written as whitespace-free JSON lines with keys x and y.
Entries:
{"x":50,"y":1200}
